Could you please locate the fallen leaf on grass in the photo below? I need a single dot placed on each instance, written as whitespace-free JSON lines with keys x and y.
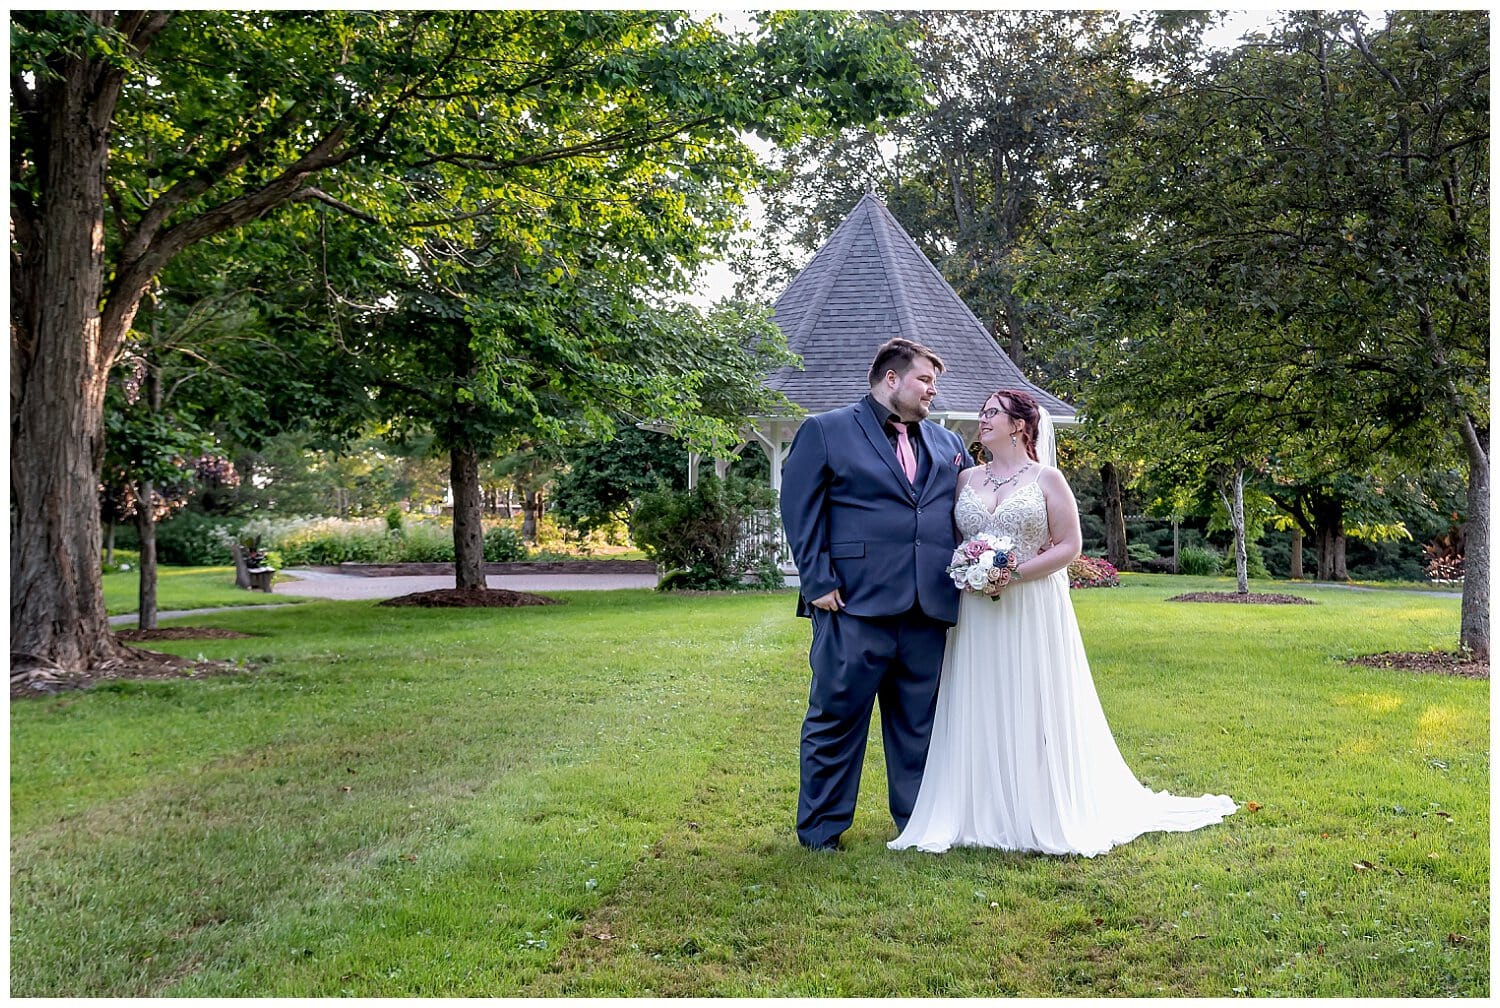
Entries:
{"x":604,"y":936}
{"x":1457,"y":939}
{"x":1254,"y":806}
{"x":408,"y":857}
{"x":1363,"y":866}
{"x":346,"y":787}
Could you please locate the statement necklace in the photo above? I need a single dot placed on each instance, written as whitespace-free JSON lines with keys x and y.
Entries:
{"x":992,"y":481}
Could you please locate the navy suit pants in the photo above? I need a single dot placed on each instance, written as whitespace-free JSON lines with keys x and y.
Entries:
{"x":855,"y":660}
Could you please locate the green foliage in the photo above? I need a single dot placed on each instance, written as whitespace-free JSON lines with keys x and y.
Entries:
{"x":1199,"y":560}
{"x":1283,"y":263}
{"x":191,"y":539}
{"x":299,"y":475}
{"x":1026,"y":90}
{"x":503,"y":544}
{"x":705,"y":538}
{"x":598,"y":483}
{"x":1255,"y":562}
{"x":330,"y":541}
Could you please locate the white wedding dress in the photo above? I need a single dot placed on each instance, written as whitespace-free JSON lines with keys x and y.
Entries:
{"x":1022,"y":757}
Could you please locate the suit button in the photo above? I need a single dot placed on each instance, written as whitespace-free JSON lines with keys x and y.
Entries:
{"x":919,"y":542}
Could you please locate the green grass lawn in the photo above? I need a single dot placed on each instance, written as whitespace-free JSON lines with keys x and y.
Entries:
{"x":597,"y":799}
{"x":184,"y":588}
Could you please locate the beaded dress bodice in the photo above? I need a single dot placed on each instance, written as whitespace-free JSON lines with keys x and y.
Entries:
{"x":1022,"y":517}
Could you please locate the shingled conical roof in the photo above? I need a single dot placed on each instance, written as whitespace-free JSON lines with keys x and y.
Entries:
{"x":867,"y":284}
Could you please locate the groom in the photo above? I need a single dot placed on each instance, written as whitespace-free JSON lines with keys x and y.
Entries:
{"x":867,"y":501}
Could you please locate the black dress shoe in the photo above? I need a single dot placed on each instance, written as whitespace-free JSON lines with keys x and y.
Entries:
{"x":834,"y":846}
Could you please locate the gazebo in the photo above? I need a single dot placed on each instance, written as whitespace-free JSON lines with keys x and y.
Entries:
{"x":867,"y":284}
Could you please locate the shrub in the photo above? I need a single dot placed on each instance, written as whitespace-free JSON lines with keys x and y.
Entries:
{"x":1198,"y":560}
{"x":1092,"y":572}
{"x":395,"y":520}
{"x":420,"y":542}
{"x":708,"y":537}
{"x":190,"y":539}
{"x":332,"y":541}
{"x":503,"y":544}
{"x":1255,"y":562}
{"x":1141,"y":554}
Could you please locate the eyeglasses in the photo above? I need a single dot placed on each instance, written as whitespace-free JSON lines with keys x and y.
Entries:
{"x":991,"y":413}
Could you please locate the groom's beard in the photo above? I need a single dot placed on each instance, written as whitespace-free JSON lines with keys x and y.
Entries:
{"x":915,"y":408}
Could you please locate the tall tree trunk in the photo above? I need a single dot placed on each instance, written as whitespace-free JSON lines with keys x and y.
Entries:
{"x":1234,"y":503}
{"x":1474,"y":618}
{"x":145,"y":527}
{"x":60,"y":359}
{"x":468,"y":518}
{"x":1114,"y":517}
{"x":1015,"y":330}
{"x":1296,"y":571}
{"x":1328,"y":527}
{"x":531,"y":513}
{"x":241,"y":567}
{"x":145,"y":508}
{"x":109,"y":543}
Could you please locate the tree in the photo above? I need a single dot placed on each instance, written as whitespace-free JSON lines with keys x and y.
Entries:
{"x":136,"y":135}
{"x":1318,"y":199}
{"x":1008,"y":138}
{"x":599,"y":483}
{"x":156,"y":457}
{"x":535,"y":353}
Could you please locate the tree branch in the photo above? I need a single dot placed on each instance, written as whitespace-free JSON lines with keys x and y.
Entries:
{"x":315,"y":194}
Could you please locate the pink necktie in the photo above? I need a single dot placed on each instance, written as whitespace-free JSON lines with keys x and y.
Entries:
{"x":905,"y":455}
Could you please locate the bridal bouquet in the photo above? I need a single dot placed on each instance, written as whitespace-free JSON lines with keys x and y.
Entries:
{"x":983,"y":564}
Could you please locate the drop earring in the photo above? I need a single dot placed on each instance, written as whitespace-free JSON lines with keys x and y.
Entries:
{"x":1012,"y":440}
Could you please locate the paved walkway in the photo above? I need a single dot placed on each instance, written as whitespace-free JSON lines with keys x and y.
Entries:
{"x":328,"y":585}
{"x":344,"y":587}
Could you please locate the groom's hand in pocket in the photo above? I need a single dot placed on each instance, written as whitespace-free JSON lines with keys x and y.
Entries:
{"x":832,"y":602}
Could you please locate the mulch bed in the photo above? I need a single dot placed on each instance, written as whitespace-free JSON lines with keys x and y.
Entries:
{"x":470,"y":598}
{"x":1261,"y":598}
{"x":179,"y":633}
{"x":1434,"y":662}
{"x":138,"y":663}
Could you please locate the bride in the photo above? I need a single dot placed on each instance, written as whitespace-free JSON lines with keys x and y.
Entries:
{"x":1021,"y":755}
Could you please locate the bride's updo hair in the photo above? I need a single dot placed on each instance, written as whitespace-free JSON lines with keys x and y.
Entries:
{"x":1021,"y":405}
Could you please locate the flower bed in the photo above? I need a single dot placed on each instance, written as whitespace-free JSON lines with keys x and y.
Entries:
{"x":1092,"y":572}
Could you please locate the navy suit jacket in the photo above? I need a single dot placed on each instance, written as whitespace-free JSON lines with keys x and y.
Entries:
{"x":853,"y":522}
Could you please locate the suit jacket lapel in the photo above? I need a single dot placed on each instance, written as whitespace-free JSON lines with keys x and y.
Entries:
{"x":873,"y":428}
{"x":935,"y":459}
